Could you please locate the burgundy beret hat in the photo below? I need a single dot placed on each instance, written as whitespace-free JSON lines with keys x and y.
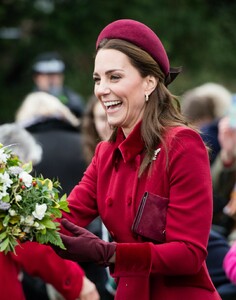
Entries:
{"x":140,"y":35}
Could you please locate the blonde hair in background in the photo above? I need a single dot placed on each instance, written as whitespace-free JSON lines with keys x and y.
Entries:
{"x":21,"y":142}
{"x":41,"y":105}
{"x":212,"y":96}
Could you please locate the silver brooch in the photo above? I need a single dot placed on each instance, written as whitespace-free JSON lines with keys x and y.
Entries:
{"x":155,"y":153}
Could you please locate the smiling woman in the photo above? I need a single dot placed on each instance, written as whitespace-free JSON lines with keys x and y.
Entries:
{"x":150,"y":169}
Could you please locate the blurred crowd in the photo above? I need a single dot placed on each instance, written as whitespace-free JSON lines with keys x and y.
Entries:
{"x":58,"y":131}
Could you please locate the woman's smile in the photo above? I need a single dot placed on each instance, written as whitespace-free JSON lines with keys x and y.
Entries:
{"x":112,"y":106}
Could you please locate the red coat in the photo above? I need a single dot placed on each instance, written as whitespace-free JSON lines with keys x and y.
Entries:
{"x":41,"y":261}
{"x":175,"y":269}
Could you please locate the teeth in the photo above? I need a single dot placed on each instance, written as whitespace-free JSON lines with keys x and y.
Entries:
{"x":110,"y":103}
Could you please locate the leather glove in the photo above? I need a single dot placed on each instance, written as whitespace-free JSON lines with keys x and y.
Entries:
{"x":84,"y":246}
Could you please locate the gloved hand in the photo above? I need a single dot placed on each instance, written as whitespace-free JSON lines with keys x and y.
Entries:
{"x":84,"y":246}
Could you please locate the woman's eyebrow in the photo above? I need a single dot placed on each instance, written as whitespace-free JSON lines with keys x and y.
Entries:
{"x":108,"y":72}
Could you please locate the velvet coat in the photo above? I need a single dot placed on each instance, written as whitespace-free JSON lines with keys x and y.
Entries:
{"x":40,"y":261}
{"x":111,"y":187}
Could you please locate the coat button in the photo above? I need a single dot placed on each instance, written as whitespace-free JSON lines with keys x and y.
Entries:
{"x":67,"y":281}
{"x":109,"y":201}
{"x":129,"y":201}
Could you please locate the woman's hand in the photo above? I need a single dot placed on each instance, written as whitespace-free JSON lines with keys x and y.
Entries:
{"x":84,"y":246}
{"x":89,"y":291}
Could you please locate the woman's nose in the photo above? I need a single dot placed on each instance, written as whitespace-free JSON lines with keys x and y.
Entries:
{"x":102,"y":89}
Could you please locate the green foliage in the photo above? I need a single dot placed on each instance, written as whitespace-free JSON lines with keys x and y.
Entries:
{"x":198,"y":34}
{"x":52,"y":237}
{"x":29,"y":205}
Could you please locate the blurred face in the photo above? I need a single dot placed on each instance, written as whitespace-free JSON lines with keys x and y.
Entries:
{"x":120,"y":88}
{"x":100,"y":122}
{"x":46,"y":82}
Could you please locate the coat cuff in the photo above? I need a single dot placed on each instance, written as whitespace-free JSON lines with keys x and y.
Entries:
{"x":132,"y":259}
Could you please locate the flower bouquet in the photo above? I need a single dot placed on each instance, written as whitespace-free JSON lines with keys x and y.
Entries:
{"x":29,"y":205}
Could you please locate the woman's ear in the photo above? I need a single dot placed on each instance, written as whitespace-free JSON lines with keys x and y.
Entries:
{"x":151,"y":84}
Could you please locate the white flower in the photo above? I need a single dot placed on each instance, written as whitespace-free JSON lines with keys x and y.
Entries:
{"x":40,"y":227}
{"x":15,"y":170}
{"x":12,"y":212}
{"x":40,"y":210}
{"x":5,"y":179}
{"x":3,"y":156}
{"x":18,"y":198}
{"x":36,"y":224}
{"x":26,"y":229}
{"x":26,"y":178}
{"x":3,"y":194}
{"x":29,"y":220}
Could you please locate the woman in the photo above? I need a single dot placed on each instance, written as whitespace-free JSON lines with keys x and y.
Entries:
{"x":152,"y":152}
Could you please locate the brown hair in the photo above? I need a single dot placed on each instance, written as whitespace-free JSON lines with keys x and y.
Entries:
{"x":162,"y":109}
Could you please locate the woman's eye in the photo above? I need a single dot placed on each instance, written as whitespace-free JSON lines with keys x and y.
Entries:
{"x":115,"y":77}
{"x":96,"y":79}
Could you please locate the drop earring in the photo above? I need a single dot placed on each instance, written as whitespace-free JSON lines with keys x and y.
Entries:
{"x":146,"y":97}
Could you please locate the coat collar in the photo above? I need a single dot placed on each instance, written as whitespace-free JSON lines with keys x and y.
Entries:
{"x":131,"y":146}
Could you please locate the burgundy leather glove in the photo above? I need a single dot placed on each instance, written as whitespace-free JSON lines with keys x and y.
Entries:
{"x":84,"y":246}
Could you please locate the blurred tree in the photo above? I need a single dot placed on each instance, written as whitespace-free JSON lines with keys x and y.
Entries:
{"x":198,"y":34}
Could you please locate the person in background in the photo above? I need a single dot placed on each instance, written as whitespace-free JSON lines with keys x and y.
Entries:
{"x":57,"y":130}
{"x":224,"y":178}
{"x":39,"y":261}
{"x":48,"y":76}
{"x":218,"y":248}
{"x":204,"y":106}
{"x":229,"y":263}
{"x":153,"y":158}
{"x":21,"y":142}
{"x":94,"y":129}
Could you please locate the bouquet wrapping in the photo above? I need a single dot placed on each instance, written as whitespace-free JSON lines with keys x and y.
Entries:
{"x":29,"y":206}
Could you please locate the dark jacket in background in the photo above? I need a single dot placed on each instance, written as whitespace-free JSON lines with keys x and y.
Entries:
{"x":217,"y":249}
{"x":62,"y":152}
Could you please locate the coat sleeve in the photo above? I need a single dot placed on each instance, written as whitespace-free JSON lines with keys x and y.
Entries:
{"x":189,"y":215}
{"x":41,"y":261}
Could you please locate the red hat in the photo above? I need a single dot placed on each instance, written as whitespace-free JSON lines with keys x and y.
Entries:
{"x":140,"y":35}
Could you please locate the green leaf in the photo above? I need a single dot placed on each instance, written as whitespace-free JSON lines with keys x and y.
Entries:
{"x":48,"y":223}
{"x":6,"y":198}
{"x":27,"y":167}
{"x":52,"y":237}
{"x":4,"y":244}
{"x":64,"y":205}
{"x":63,"y":198}
{"x":14,"y":219}
{"x":3,"y":235}
{"x":6,"y":220}
{"x":3,"y":214}
{"x":55,"y":212}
